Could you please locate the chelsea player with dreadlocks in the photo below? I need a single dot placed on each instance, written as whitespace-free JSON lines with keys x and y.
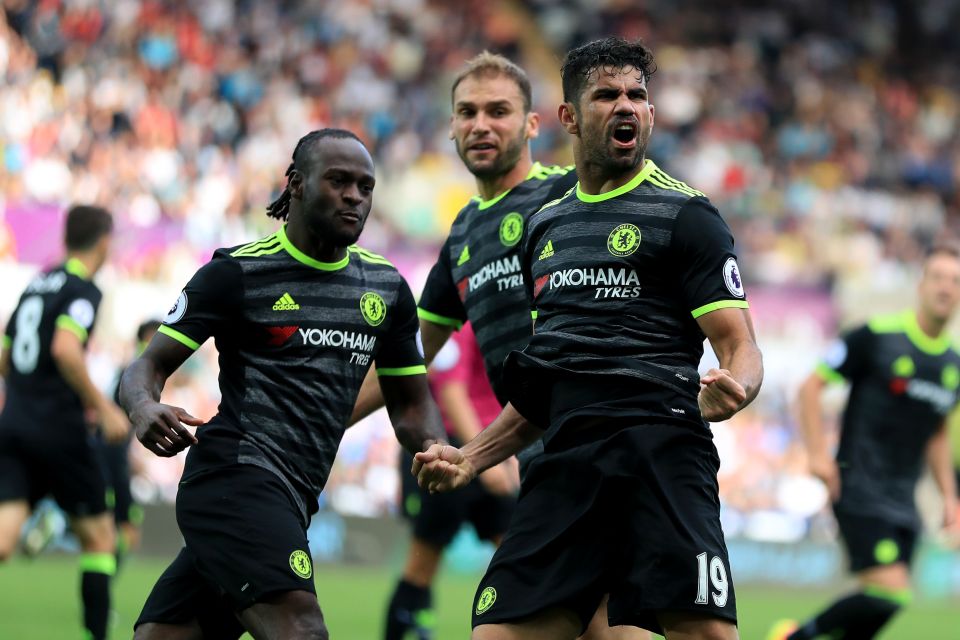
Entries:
{"x":298,"y":318}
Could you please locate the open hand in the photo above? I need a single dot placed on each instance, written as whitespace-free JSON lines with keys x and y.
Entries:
{"x":720,"y":395}
{"x":441,"y":468}
{"x":160,"y":428}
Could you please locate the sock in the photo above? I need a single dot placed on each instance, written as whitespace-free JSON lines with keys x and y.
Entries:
{"x":859,"y":615}
{"x":96,"y":569}
{"x":410,"y":609}
{"x":122,"y":547}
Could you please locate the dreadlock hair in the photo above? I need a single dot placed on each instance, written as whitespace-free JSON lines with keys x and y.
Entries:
{"x":608,"y":54}
{"x":280,"y":207}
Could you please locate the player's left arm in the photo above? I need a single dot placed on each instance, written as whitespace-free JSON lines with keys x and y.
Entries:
{"x":735,"y":384}
{"x":941,"y":466}
{"x":403,"y":378}
{"x":710,"y":281}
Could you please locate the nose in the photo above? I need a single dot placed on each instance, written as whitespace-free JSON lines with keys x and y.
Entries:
{"x":481,"y":124}
{"x":624,"y":105}
{"x":351,"y":194}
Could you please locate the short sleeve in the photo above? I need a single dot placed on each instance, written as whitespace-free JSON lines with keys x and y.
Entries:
{"x":440,"y":302}
{"x":847,"y":357}
{"x":706,"y":264}
{"x":401,"y":352}
{"x":527,"y":242}
{"x":209,"y":301}
{"x":79,"y":311}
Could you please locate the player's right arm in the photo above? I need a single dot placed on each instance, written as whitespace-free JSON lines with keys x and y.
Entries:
{"x":846,"y":358}
{"x":444,"y":468}
{"x":205,"y":307}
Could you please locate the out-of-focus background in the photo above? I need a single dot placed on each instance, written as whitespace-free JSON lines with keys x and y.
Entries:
{"x":827,"y":133}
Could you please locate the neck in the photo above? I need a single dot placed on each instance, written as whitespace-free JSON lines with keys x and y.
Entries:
{"x":930,"y":325}
{"x":490,"y":188}
{"x":87,"y":260}
{"x":595,"y":180}
{"x":309,"y":242}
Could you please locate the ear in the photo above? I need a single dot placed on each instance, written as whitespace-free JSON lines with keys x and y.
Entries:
{"x":568,"y":118}
{"x":532,"y":128}
{"x":295,"y":185}
{"x":652,"y":110}
{"x":450,"y":133}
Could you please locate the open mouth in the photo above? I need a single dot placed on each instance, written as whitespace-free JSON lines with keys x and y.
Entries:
{"x":625,"y":134}
{"x":482,"y":146}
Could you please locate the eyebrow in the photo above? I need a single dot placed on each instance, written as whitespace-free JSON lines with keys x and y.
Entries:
{"x":492,"y":104}
{"x":358,"y":175}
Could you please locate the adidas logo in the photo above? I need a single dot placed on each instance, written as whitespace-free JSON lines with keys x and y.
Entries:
{"x":547,"y":251}
{"x":464,"y":255}
{"x":285,"y":303}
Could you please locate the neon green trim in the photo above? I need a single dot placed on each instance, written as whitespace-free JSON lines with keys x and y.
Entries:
{"x":903,"y":597}
{"x":368,"y":256}
{"x":261,"y":252}
{"x":887,"y":323}
{"x":827,"y":374}
{"x":7,"y":341}
{"x":402,"y":371}
{"x":648,"y":168}
{"x":535,"y":172}
{"x":534,"y":313}
{"x":659,"y":174}
{"x":270,"y":242}
{"x":438,"y":319}
{"x":98,"y":563}
{"x":720,"y":304}
{"x":185,"y":340}
{"x":77,"y":268}
{"x":110,"y":497}
{"x":931,"y":346}
{"x":664,"y":184}
{"x":71,"y":325}
{"x":303,"y":258}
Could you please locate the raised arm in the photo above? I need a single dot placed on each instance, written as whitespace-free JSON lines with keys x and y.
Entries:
{"x":158,"y":426}
{"x":370,"y":398}
{"x":735,"y":384}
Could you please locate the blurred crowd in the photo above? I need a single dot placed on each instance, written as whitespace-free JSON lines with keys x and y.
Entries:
{"x":827,"y":133}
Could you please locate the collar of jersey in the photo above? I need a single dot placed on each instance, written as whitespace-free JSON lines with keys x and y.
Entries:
{"x":931,"y":346}
{"x":648,"y":168}
{"x":486,"y":204}
{"x":76,"y":268}
{"x":300,"y":256}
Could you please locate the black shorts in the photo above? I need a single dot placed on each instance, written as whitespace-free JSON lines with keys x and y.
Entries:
{"x":633,"y":512}
{"x":39,"y":459}
{"x":438,"y":517}
{"x":244,"y":540}
{"x":875,"y":542}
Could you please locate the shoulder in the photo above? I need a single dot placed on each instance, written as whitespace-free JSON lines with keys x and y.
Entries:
{"x":264,"y":246}
{"x":887,"y":323}
{"x":664,"y":184}
{"x":370,"y":260}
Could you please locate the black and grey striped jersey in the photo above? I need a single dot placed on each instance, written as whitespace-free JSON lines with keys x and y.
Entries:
{"x":617,"y":281}
{"x":477,"y":275}
{"x":903,"y":384}
{"x":295,"y":338}
{"x":63,"y":297}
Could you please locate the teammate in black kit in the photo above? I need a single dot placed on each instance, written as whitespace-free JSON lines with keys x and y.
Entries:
{"x":627,"y":275}
{"x":298,"y":318}
{"x":904,"y":373}
{"x":46,"y":445}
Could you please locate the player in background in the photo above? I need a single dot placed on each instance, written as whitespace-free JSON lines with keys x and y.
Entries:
{"x":477,"y":276}
{"x":460,"y":386}
{"x":46,"y":444}
{"x":628,"y":273}
{"x":299,"y":318}
{"x":904,"y":375}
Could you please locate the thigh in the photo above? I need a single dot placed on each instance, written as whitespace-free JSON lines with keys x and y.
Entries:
{"x":182,"y":602}
{"x":290,"y":614}
{"x":875,"y":542}
{"x":553,"y":555}
{"x":75,"y":473}
{"x":116,"y":466}
{"x":672,"y":555}
{"x":246,"y":533}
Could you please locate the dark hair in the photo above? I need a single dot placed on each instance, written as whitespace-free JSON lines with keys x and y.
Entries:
{"x":146,"y":328}
{"x":280,"y":207}
{"x":611,"y":53}
{"x":86,"y":224}
{"x":943,"y":248}
{"x":494,"y":64}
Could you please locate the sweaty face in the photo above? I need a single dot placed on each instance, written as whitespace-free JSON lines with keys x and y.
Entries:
{"x":939,"y":288}
{"x":615,"y":119}
{"x":337,"y":191}
{"x":489,"y":126}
